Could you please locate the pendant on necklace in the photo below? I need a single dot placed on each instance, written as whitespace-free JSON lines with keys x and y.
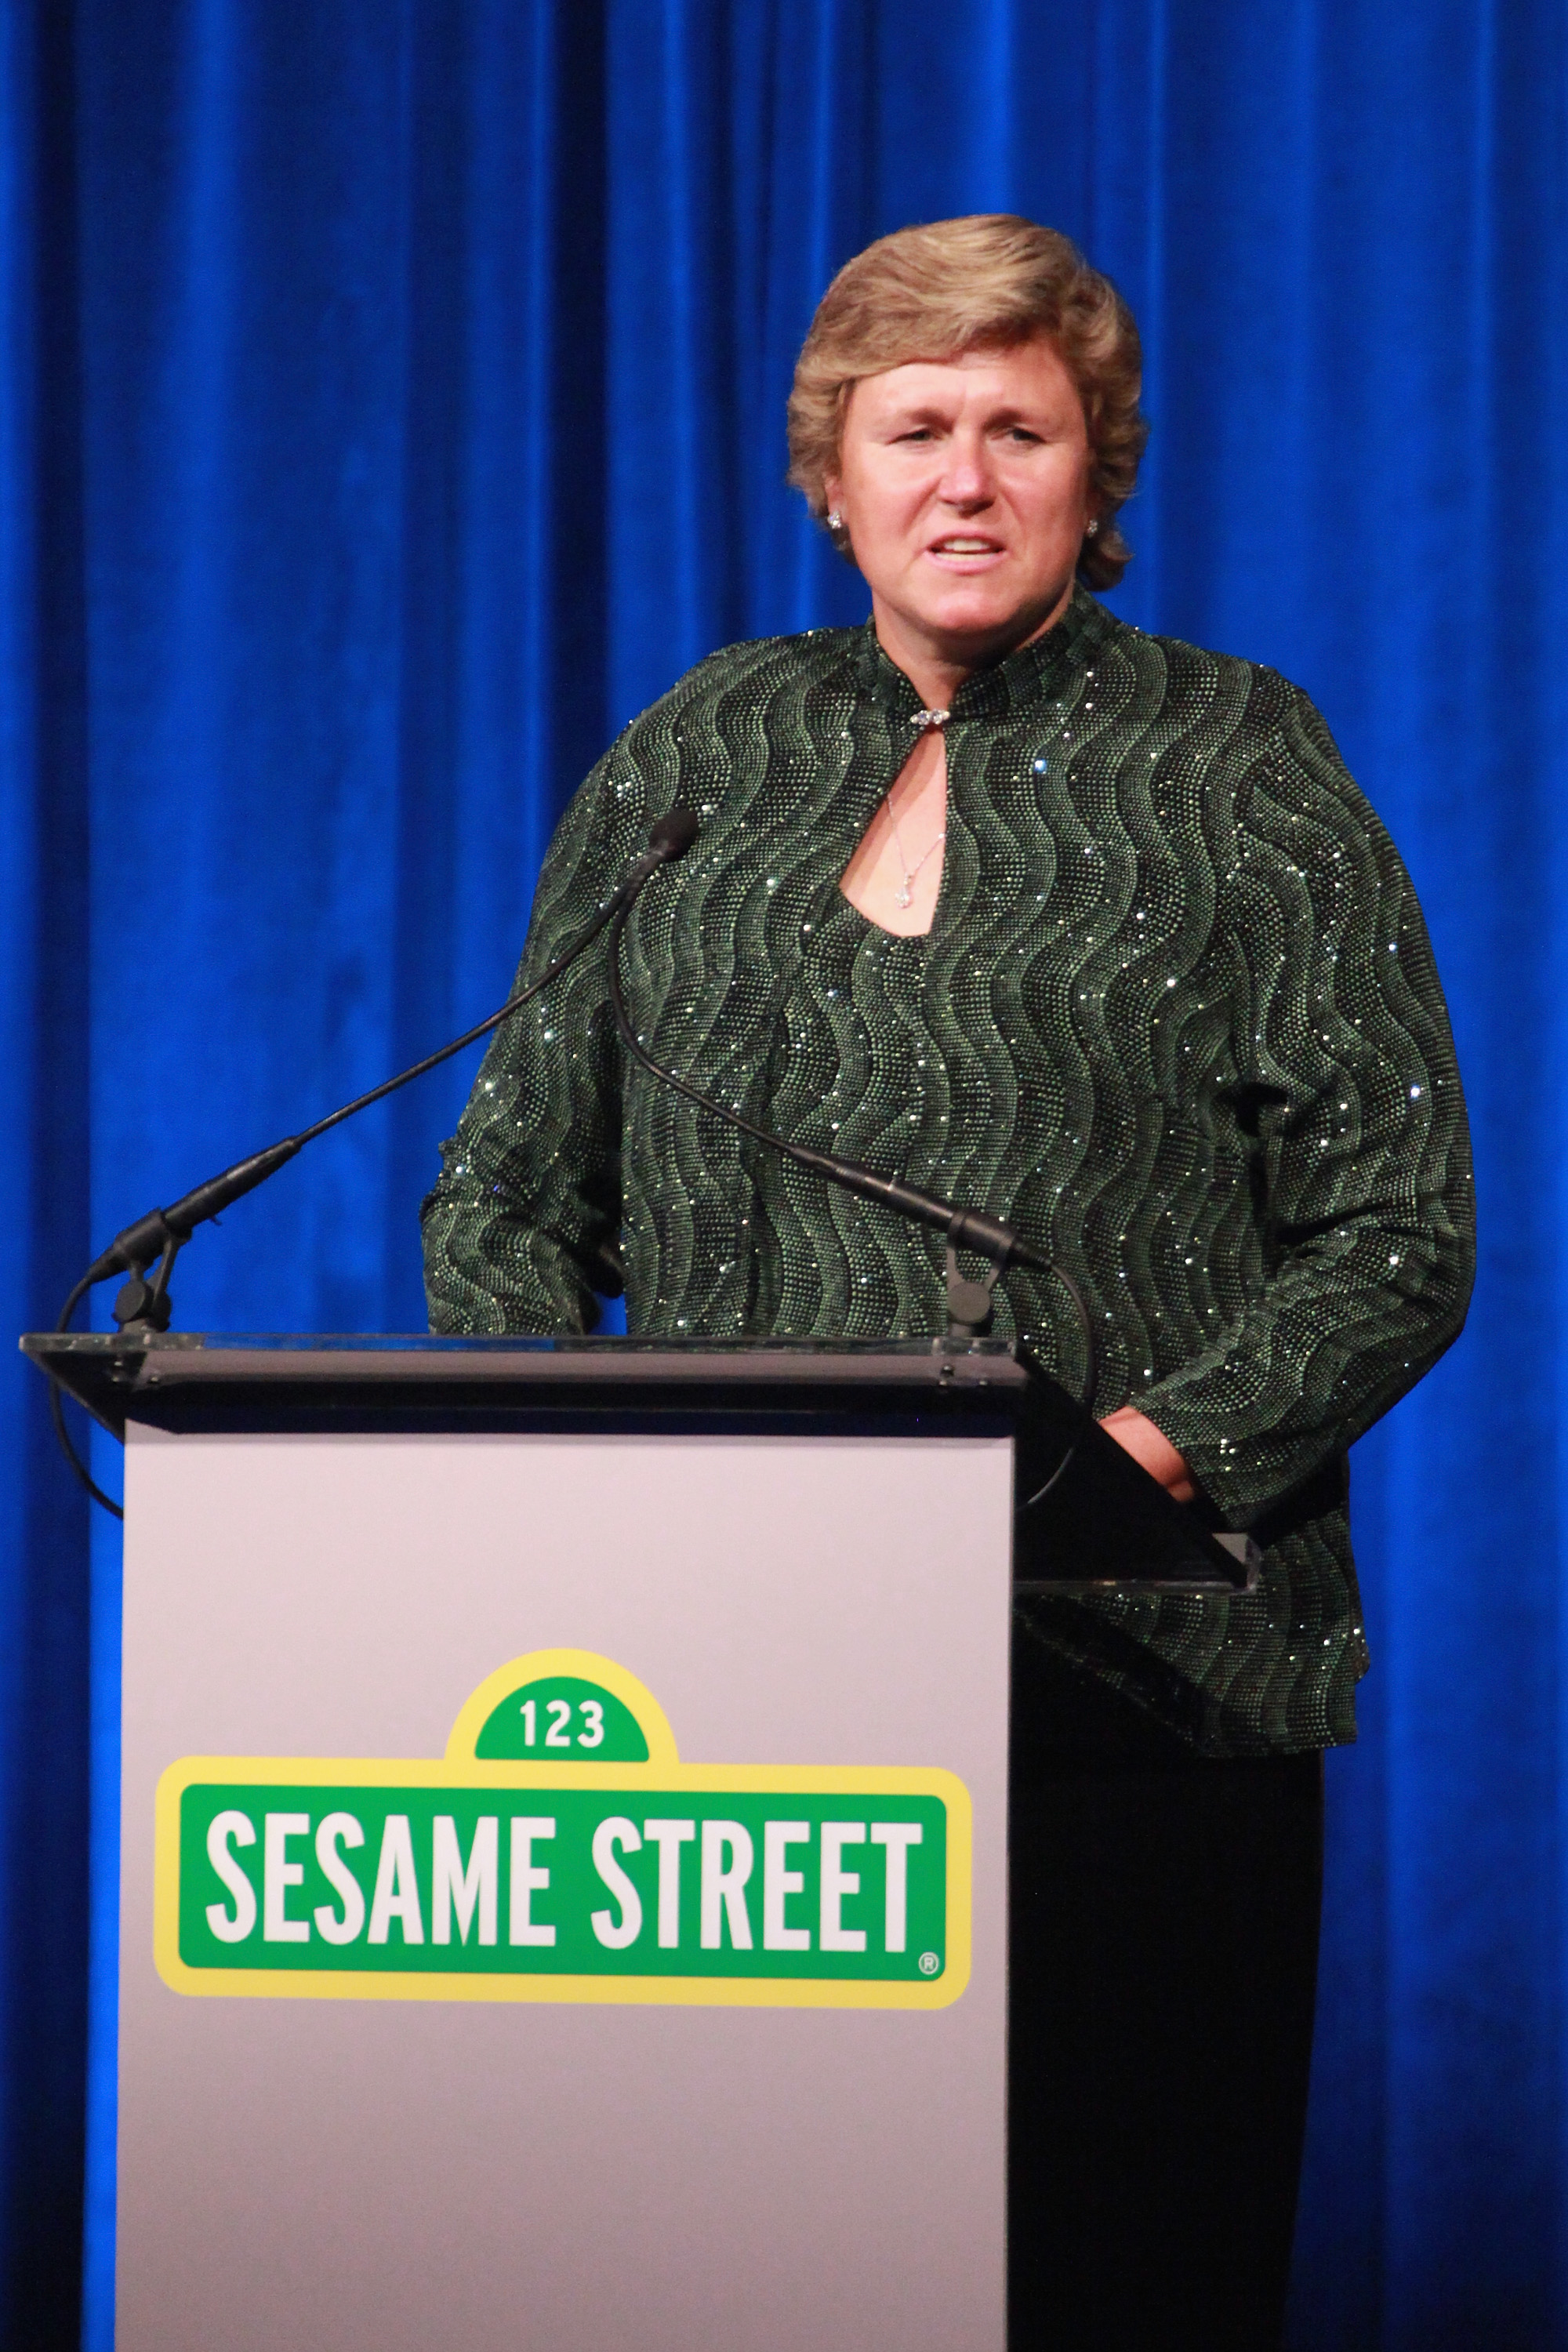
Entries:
{"x":903,"y":895}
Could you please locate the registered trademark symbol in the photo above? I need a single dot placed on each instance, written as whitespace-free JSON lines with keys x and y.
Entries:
{"x":929,"y":1964}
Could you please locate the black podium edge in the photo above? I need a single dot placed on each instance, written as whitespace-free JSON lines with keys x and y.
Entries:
{"x":1104,"y":1526}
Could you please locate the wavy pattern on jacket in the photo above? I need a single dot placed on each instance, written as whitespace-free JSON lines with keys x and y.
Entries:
{"x":1177,"y":1018}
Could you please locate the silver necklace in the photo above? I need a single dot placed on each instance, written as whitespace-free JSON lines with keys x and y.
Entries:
{"x":904,"y":894}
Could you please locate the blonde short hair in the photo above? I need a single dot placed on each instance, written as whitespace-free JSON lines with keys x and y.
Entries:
{"x":992,"y":279}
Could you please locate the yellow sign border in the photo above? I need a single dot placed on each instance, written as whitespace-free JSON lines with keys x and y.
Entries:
{"x":664,"y":1772}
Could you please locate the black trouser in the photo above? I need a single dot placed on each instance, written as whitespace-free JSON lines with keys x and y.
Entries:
{"x":1164,"y":1945}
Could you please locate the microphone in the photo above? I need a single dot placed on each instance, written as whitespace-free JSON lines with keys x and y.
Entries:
{"x":671,"y":837}
{"x":969,"y":1303}
{"x":162,"y":1232}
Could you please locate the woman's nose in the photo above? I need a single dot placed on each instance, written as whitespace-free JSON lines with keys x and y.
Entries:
{"x":966,"y":476}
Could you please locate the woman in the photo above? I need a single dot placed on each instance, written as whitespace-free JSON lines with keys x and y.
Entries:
{"x":1090,"y":930}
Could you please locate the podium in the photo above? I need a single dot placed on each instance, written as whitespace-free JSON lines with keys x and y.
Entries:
{"x":564,"y":1832}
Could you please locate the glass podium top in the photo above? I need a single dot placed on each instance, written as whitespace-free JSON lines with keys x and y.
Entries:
{"x":166,"y":1377}
{"x":1088,"y":1515}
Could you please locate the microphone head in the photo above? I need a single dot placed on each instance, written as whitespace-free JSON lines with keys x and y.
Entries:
{"x":674,"y":833}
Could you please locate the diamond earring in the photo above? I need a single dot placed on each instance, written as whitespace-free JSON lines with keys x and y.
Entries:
{"x":1091,"y":527}
{"x":836,"y":520}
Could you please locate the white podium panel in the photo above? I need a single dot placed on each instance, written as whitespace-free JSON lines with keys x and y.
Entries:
{"x":754,"y":2152}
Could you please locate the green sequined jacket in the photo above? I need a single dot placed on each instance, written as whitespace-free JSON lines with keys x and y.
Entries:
{"x":1176,"y":1019}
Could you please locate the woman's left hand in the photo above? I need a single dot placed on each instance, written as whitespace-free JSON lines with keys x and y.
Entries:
{"x":1151,"y":1450}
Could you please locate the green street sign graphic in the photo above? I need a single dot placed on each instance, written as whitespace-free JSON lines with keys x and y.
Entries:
{"x":561,"y":1851}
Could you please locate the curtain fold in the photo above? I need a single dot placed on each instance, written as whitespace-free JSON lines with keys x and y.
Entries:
{"x":45,"y":1141}
{"x":393,"y":404}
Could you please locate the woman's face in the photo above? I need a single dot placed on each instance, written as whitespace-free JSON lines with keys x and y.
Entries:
{"x":964,"y":485}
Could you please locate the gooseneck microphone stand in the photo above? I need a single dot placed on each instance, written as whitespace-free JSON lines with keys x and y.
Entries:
{"x":145,"y":1251}
{"x":157,"y":1238}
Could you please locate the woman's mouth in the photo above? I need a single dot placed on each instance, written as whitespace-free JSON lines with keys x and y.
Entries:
{"x":964,"y":547}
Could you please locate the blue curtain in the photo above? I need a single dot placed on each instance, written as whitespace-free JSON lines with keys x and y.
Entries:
{"x":392,"y":403}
